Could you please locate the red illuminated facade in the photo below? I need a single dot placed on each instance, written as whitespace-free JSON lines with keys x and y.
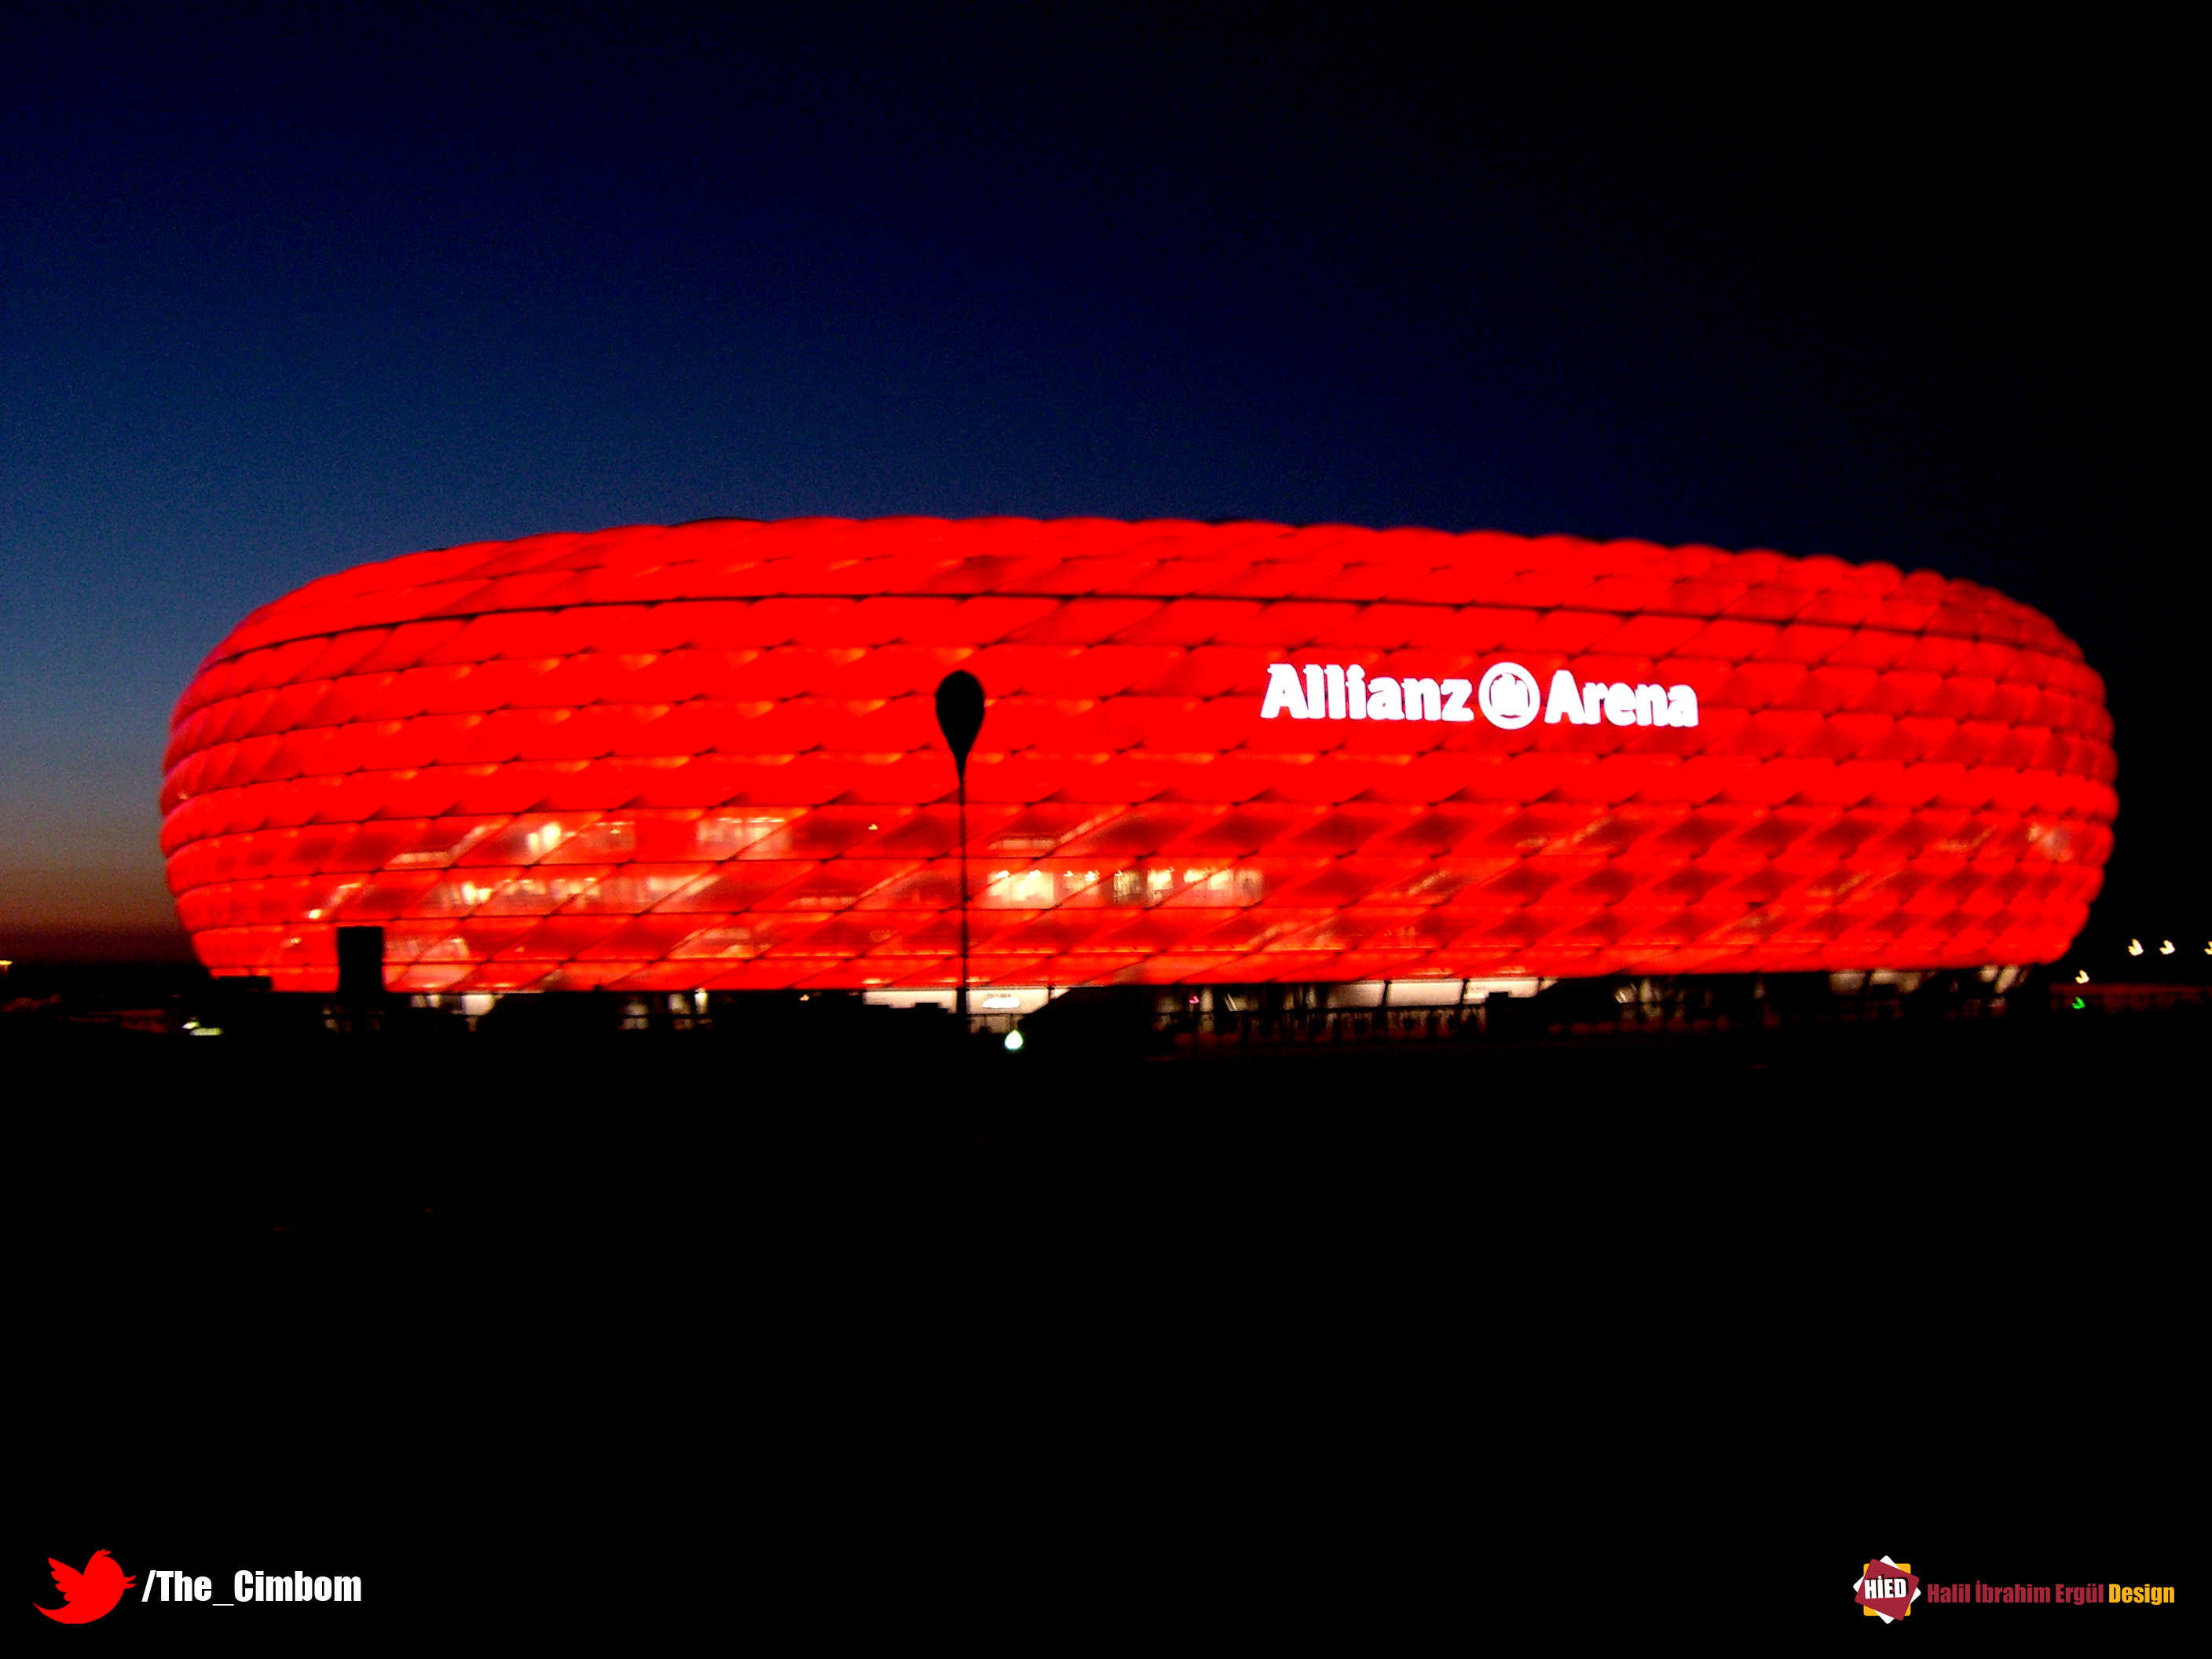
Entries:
{"x":706,"y":757}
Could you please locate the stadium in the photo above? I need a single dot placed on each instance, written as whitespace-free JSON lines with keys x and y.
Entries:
{"x":705,"y":758}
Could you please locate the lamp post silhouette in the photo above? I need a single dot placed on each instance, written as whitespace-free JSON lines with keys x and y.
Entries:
{"x":960,"y":717}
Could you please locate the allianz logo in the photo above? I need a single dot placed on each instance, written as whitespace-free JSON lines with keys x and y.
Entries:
{"x":1509,"y":697}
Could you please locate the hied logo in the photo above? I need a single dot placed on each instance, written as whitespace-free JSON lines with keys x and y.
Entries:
{"x":1887,"y":1589}
{"x":89,"y":1594}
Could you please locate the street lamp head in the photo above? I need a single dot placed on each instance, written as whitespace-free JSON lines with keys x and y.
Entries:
{"x":960,"y":714}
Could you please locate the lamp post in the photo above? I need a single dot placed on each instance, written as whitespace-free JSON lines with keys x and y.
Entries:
{"x":960,"y":717}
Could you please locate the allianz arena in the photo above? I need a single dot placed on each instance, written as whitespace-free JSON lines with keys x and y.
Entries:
{"x":705,"y":757}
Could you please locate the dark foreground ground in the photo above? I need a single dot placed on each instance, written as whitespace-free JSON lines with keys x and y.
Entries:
{"x":569,"y":1310}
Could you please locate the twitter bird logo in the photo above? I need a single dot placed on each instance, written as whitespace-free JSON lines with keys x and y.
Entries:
{"x":89,"y":1593}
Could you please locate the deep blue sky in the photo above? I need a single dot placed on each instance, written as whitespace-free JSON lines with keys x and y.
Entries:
{"x":280,"y":296}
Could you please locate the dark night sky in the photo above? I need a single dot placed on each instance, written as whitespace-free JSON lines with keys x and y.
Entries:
{"x":281,"y":296}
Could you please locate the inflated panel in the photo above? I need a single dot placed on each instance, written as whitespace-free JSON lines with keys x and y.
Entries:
{"x":706,"y":757}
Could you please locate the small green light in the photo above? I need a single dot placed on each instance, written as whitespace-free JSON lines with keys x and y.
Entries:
{"x":1013,"y":1042}
{"x":2078,"y":1003}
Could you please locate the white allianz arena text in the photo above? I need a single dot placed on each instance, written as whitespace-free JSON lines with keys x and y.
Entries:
{"x":1509,"y":697}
